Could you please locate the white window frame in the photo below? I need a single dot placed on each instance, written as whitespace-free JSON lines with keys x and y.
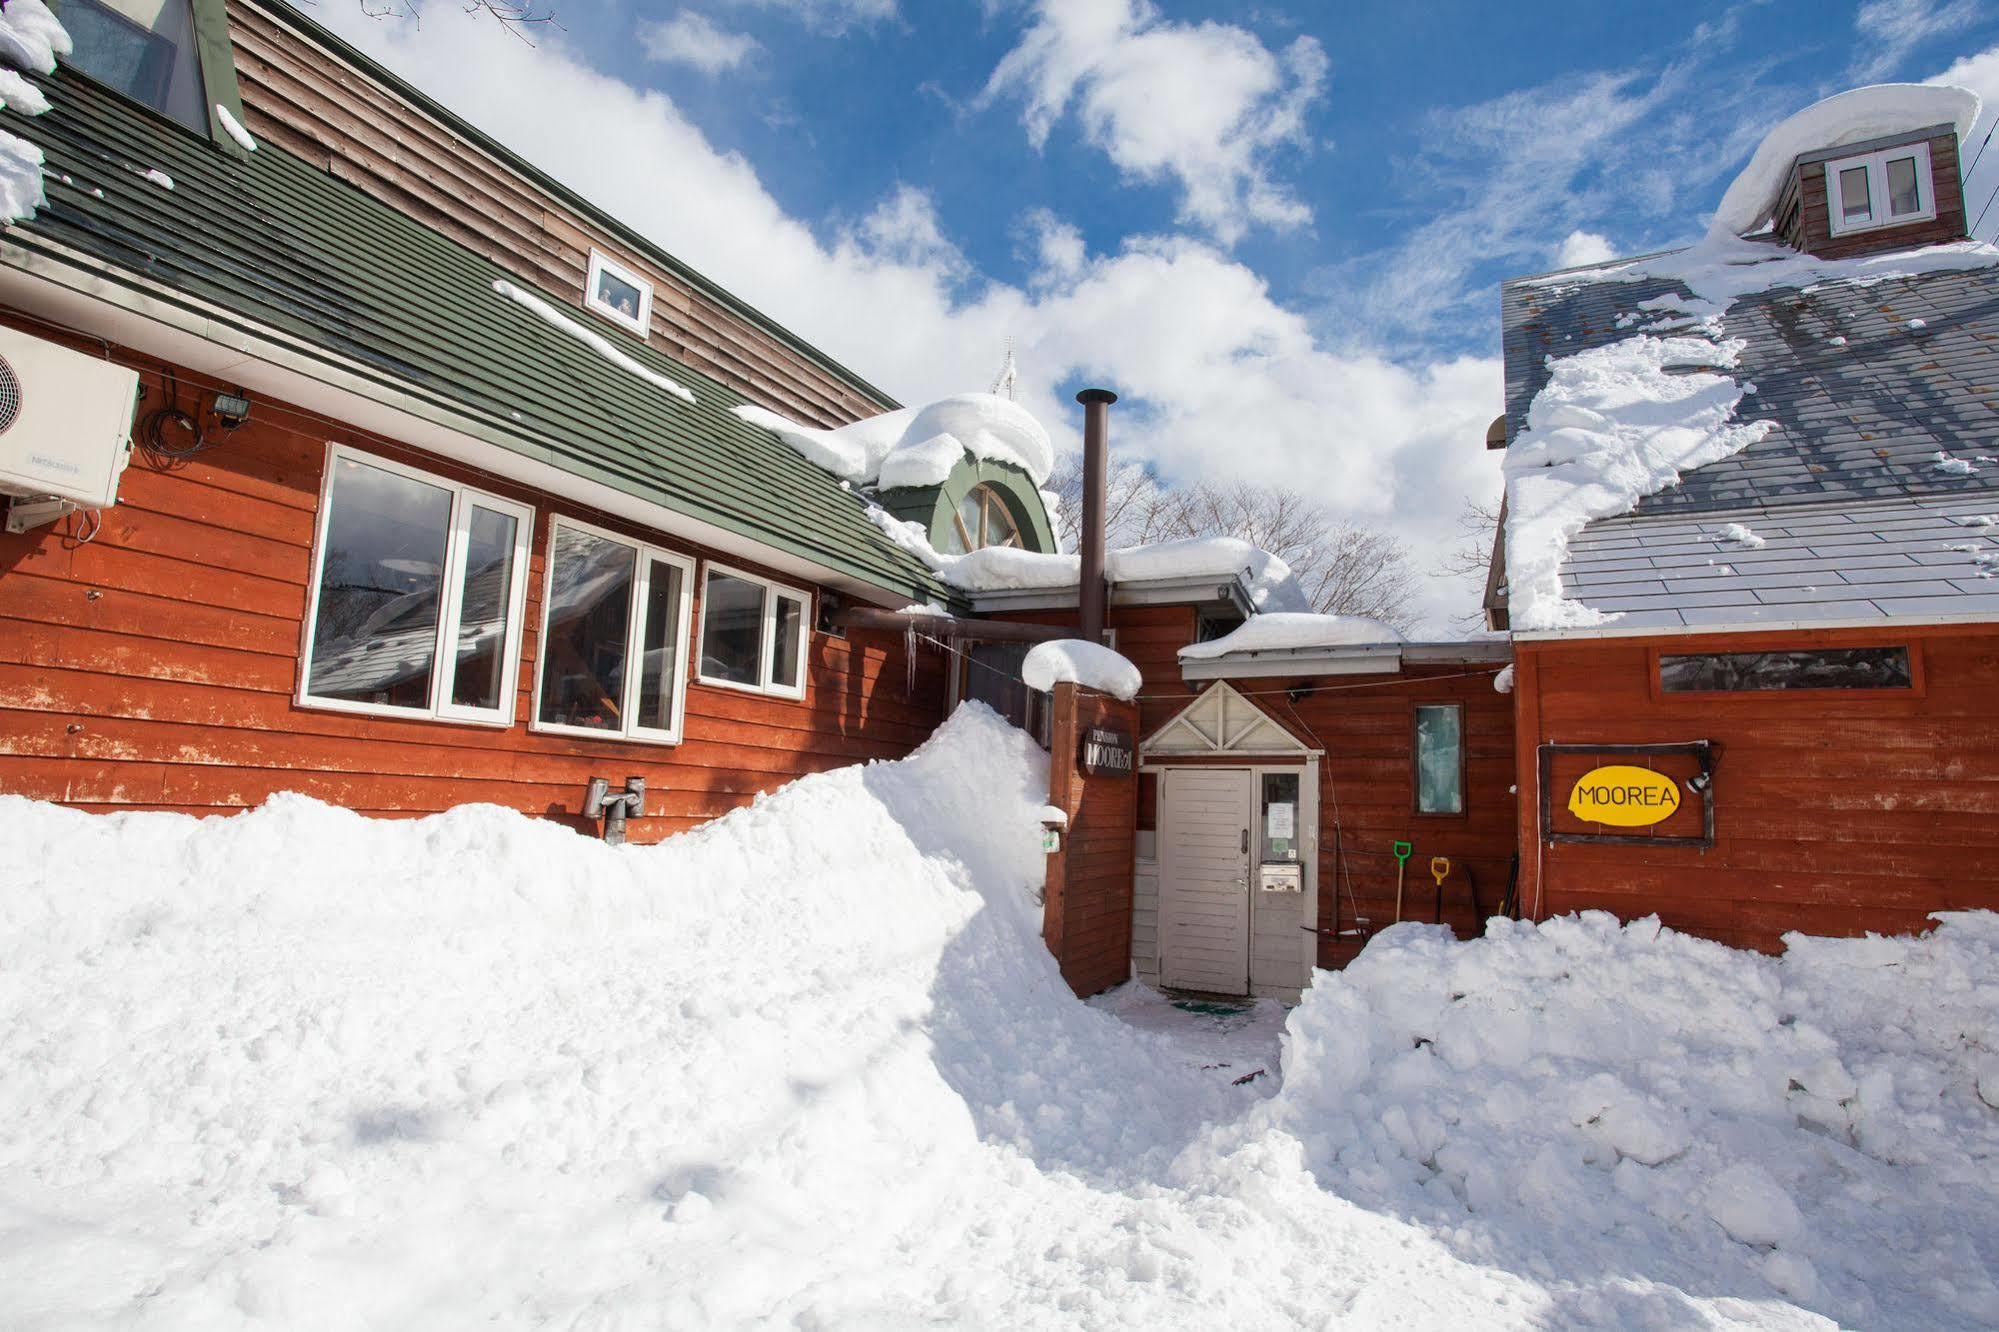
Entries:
{"x":645,"y":555}
{"x":601,"y":263}
{"x":767,"y":640}
{"x":1876,"y":164}
{"x":451,"y":596}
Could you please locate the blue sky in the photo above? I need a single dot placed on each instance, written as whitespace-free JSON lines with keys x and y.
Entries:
{"x":1276,"y":228}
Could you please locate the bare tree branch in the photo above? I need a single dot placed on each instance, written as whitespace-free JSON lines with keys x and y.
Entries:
{"x":1345,"y":568}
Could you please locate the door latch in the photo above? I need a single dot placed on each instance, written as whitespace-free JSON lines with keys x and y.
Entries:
{"x":1245,"y":841}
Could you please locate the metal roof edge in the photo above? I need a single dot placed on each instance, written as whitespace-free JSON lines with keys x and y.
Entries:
{"x":289,"y":16}
{"x":1886,"y":623}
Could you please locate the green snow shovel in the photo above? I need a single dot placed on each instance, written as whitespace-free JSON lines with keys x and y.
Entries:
{"x":1402,"y":850}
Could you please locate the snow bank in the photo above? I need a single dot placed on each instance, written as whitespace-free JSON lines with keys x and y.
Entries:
{"x":30,"y":39}
{"x":1282,"y":630}
{"x":590,"y":338}
{"x":1579,"y":1093}
{"x":918,"y":446}
{"x":1077,"y":661}
{"x":1849,"y":117}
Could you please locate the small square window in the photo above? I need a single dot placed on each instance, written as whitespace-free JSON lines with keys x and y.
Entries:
{"x":617,"y":293}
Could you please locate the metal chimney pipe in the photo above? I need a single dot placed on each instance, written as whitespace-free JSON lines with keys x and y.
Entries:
{"x":1096,"y":467}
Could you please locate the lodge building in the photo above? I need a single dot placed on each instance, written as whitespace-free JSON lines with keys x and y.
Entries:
{"x":511,"y":506}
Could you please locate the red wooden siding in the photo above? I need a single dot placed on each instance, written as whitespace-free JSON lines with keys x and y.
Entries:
{"x":1834,"y":813}
{"x":1086,"y":914}
{"x":156,"y":664}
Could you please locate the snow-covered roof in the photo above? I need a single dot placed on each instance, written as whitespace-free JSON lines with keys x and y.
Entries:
{"x":1265,"y":579}
{"x":1853,"y":116}
{"x":918,"y":446}
{"x":30,"y":39}
{"x":1294,"y":630}
{"x":1735,"y":378}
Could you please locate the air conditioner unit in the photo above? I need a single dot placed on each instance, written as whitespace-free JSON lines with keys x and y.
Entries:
{"x":65,"y":422}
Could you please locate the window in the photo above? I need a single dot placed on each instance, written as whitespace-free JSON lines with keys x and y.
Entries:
{"x":1882,"y":189}
{"x":1280,"y":828}
{"x":614,"y":619}
{"x":409,"y":564}
{"x":992,"y":676}
{"x":1440,"y":759}
{"x":753,"y":633}
{"x":618,"y":293}
{"x":1824,"y":668}
{"x":144,"y":49}
{"x":982,"y":520}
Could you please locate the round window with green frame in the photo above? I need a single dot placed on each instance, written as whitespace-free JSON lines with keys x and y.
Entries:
{"x":980,"y":520}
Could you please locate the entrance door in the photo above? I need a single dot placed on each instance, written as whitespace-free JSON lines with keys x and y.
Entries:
{"x":1204,"y":833}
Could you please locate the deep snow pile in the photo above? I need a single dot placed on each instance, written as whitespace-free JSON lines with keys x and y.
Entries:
{"x":1587,"y":1097}
{"x":811,"y":1066}
{"x":1077,"y":661}
{"x":918,"y":446}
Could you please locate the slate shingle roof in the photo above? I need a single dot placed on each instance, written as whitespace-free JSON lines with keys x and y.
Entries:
{"x":1865,"y":385}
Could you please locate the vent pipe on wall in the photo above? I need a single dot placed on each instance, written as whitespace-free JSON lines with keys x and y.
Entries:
{"x":1096,"y":450}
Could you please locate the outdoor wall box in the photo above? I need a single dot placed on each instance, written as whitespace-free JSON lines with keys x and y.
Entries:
{"x":1281,"y":878}
{"x":65,"y":422}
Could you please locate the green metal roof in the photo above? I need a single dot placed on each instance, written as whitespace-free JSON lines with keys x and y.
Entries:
{"x":289,"y":247}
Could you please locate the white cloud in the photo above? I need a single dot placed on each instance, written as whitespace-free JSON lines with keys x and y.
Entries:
{"x":1217,"y":377}
{"x":693,"y":39}
{"x":829,"y":15}
{"x":1581,"y":247}
{"x":1890,"y":29}
{"x":1204,"y":105}
{"x":1980,"y":73}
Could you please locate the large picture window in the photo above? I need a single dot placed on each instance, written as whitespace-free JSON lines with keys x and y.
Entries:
{"x":1440,"y":759}
{"x":614,"y":620}
{"x":1805,"y":668}
{"x":753,"y":633}
{"x":416,"y":596}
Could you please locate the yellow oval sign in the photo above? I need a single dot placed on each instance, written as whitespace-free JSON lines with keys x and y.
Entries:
{"x":1624,"y":797}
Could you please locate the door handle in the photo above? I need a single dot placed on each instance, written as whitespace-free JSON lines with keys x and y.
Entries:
{"x":1245,"y":841}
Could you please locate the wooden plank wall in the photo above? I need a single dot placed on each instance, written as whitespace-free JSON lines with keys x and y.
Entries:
{"x":1366,"y":724}
{"x":1834,"y":814}
{"x":297,"y":98}
{"x":155,"y":665}
{"x":1087,"y":910}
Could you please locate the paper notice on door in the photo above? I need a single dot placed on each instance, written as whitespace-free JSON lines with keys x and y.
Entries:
{"x":1281,"y":821}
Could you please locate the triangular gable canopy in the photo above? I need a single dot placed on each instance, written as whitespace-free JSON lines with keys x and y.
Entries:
{"x":1221,"y":721}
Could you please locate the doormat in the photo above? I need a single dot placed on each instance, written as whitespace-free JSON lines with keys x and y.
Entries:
{"x":1210,"y":1007}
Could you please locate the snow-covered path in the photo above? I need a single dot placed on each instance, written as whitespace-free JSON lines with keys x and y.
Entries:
{"x":809,"y":1066}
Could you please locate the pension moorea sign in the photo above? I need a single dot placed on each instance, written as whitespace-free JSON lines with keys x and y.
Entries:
{"x":1622,"y":796}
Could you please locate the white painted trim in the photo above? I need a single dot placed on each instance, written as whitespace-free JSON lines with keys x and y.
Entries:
{"x":1252,"y":665}
{"x":600,"y":264}
{"x":74,"y":292}
{"x":1876,"y":164}
{"x":643,"y":556}
{"x":1885,"y":623}
{"x":1217,"y":694}
{"x":450,"y":593}
{"x":767,"y":636}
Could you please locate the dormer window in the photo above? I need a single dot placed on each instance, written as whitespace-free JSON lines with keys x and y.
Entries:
{"x":1880,"y":189}
{"x":145,"y":50}
{"x":617,"y":293}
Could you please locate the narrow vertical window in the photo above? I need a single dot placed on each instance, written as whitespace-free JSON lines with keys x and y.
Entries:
{"x":753,"y":633}
{"x":416,"y":595}
{"x":1440,"y":759}
{"x":1904,"y":197}
{"x":613,"y":621}
{"x":1855,"y":204}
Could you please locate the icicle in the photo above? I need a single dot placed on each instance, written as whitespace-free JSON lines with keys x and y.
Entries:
{"x":909,"y":660}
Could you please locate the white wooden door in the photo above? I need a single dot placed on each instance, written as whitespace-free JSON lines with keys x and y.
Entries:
{"x":1204,"y":823}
